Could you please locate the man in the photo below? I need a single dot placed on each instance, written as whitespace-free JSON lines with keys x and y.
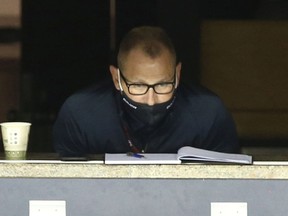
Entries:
{"x":146,"y":110}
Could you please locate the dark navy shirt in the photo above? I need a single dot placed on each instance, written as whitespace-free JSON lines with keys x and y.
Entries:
{"x":91,"y":122}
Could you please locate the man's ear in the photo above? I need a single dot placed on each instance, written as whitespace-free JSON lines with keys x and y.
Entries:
{"x":178,"y":73}
{"x":114,"y":74}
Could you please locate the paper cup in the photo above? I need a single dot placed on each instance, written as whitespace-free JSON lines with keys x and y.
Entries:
{"x":15,"y":139}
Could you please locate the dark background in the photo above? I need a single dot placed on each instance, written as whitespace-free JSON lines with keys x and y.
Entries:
{"x":66,"y":45}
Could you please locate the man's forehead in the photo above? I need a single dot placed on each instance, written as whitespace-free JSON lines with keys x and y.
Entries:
{"x":138,"y":57}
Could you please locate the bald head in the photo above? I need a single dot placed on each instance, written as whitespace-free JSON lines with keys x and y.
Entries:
{"x":152,"y":41}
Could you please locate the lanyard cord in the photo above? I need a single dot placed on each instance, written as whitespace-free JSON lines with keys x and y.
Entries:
{"x":126,"y":130}
{"x":133,"y":148}
{"x":127,"y":133}
{"x":125,"y":127}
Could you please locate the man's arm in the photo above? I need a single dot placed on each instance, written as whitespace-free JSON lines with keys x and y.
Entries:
{"x":222,"y":135}
{"x":67,"y":137}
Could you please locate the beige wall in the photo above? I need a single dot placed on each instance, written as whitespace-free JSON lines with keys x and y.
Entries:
{"x":9,"y":59}
{"x":246,"y":64}
{"x":9,"y":87}
{"x":10,"y":7}
{"x":10,"y":12}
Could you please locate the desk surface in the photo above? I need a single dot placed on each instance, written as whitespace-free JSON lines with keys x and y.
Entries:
{"x":52,"y":168}
{"x":163,"y":190}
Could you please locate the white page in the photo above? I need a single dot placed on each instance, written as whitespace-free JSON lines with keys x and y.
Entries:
{"x":191,"y":153}
{"x":147,"y":159}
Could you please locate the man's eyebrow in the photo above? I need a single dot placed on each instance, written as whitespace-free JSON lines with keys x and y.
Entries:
{"x":141,"y":81}
{"x":170,"y":79}
{"x":144,"y":82}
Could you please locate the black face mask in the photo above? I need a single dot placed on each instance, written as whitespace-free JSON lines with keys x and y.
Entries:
{"x":149,"y":115}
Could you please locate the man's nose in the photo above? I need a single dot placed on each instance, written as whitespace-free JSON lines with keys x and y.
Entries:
{"x":151,"y":97}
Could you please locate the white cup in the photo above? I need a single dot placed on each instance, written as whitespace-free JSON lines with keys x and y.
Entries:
{"x":15,"y":139}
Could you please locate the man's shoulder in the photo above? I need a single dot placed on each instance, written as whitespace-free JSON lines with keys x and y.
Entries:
{"x":97,"y":91}
{"x":197,"y":94}
{"x":204,"y":106}
{"x":98,"y":95}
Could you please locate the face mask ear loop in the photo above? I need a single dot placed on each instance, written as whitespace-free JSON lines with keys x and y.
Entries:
{"x":176,"y":81}
{"x":120,"y":85}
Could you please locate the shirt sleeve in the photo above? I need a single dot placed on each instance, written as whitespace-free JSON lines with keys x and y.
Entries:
{"x":68,"y":139}
{"x":222,"y":135}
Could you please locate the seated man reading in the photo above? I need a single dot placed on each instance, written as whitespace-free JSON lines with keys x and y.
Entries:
{"x":145,"y":108}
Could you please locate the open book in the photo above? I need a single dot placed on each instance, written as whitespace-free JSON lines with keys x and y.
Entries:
{"x":186,"y":153}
